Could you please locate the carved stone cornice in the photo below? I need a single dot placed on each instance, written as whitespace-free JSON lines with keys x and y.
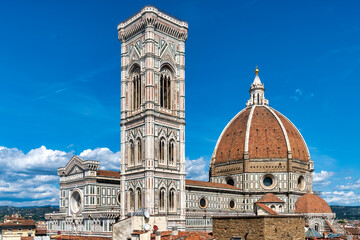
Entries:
{"x":150,"y":16}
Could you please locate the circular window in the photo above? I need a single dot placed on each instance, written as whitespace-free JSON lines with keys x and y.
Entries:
{"x":203,"y":202}
{"x":301,"y":183}
{"x":230,"y":181}
{"x":268,"y":181}
{"x":75,"y":202}
{"x":118,"y":198}
{"x":232,"y":204}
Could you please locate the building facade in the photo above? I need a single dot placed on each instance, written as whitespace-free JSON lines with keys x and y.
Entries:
{"x":259,"y":152}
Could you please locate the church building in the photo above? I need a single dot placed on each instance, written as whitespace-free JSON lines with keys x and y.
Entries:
{"x":260,"y":164}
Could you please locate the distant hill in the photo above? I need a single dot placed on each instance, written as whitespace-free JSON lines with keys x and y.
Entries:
{"x":35,"y":213}
{"x":347,"y":212}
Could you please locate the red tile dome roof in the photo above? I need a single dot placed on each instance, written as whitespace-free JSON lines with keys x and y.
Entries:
{"x":261,"y":132}
{"x":311,"y":203}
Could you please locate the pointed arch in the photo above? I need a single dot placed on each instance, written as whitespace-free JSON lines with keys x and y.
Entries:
{"x":172,"y":199}
{"x":171,"y":153}
{"x":166,"y":77}
{"x":135,"y":78}
{"x":162,"y":151}
{"x":139,"y":204}
{"x":162,"y":197}
{"x":132,"y":152}
{"x":131,"y":199}
{"x":138,"y":151}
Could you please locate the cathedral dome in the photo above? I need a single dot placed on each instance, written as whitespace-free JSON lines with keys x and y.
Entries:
{"x":311,"y":203}
{"x":260,"y":132}
{"x":260,"y":139}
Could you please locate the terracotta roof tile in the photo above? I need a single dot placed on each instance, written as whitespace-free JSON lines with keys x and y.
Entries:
{"x":297,"y":143}
{"x":311,"y":203}
{"x":269,"y":197}
{"x":266,"y":139}
{"x":167,"y":235}
{"x":18,"y":223}
{"x":233,"y":139}
{"x":209,"y":184}
{"x":107,"y":173}
{"x":266,"y":208}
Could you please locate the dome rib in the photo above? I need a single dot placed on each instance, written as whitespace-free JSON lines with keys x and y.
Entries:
{"x":248,"y":125}
{"x":294,"y":139}
{"x":243,"y":111}
{"x":282,"y":127}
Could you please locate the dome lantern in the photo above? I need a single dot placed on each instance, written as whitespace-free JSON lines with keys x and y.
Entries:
{"x":257,"y":92}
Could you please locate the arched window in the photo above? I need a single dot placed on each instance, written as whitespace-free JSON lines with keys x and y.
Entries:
{"x":172,"y":199}
{"x":162,"y":151}
{"x":230,"y":181}
{"x":139,"y":151}
{"x":162,"y":199}
{"x":273,"y":207}
{"x":132,"y":199}
{"x":316,"y":227}
{"x":139,"y":198}
{"x":132,"y":153}
{"x":171,"y":152}
{"x":165,"y":88}
{"x":136,"y":81}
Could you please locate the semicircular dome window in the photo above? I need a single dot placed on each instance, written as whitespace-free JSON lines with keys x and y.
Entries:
{"x":75,"y":202}
{"x":230,"y":181}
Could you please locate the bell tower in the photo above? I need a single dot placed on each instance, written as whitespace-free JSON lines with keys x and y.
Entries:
{"x":153,"y":114}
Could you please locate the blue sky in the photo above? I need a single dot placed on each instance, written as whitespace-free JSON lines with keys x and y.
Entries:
{"x":60,"y":84}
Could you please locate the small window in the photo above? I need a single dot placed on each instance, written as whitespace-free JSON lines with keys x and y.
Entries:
{"x":230,"y":181}
{"x":267,"y":181}
{"x":232,"y":204}
{"x":118,"y":198}
{"x":203,"y":203}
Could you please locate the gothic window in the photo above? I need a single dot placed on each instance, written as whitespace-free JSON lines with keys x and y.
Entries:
{"x":162,"y":151}
{"x":165,"y":89}
{"x":162,"y":199}
{"x":171,"y":152}
{"x":136,"y":94}
{"x":139,"y":198}
{"x":172,"y":199}
{"x":132,"y":199}
{"x":132,"y":153}
{"x":139,"y":151}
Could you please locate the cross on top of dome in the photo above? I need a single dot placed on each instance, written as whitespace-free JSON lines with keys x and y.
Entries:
{"x":257,"y":92}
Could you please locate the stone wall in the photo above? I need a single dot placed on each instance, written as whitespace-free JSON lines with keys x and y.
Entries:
{"x":260,"y":227}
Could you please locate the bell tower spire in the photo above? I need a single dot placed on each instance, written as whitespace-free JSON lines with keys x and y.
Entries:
{"x":257,"y":92}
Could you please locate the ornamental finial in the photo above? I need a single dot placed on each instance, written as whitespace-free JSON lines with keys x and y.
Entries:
{"x":257,"y":70}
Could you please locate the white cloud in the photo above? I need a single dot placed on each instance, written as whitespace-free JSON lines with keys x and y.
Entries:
{"x":30,"y":179}
{"x":38,"y":159}
{"x":348,"y":178}
{"x":197,"y":169}
{"x":350,"y":186}
{"x":108,"y":159}
{"x":341,"y":197}
{"x":322,"y":179}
